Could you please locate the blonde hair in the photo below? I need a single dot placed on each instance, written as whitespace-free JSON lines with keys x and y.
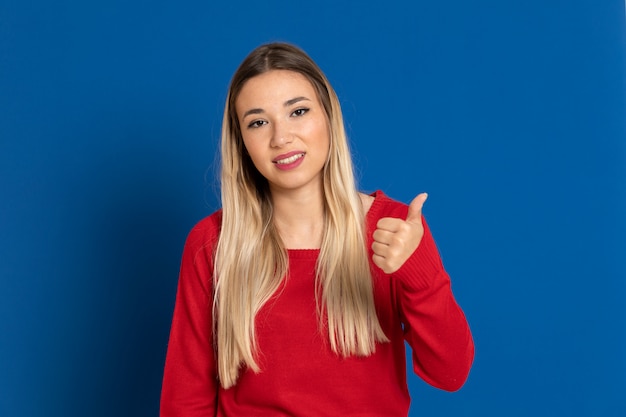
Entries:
{"x":251,"y":261}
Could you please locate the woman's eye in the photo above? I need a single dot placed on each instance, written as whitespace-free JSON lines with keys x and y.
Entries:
{"x":300,"y":112}
{"x":256,"y":123}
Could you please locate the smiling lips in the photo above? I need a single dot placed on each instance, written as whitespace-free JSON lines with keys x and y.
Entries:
{"x":289,"y":160}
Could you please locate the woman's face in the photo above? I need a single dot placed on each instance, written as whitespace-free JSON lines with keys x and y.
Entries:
{"x":284,"y":130}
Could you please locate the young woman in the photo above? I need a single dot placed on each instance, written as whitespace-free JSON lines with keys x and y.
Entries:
{"x":296,"y":298}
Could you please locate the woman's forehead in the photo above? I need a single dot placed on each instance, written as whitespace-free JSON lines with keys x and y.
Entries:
{"x":275,"y":87}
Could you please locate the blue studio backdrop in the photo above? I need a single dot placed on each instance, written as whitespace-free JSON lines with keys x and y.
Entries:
{"x":511,"y":114}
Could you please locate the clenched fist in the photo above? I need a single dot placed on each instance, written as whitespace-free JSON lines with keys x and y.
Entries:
{"x":396,"y":239}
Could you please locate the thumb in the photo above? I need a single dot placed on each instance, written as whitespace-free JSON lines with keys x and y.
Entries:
{"x":415,"y":209}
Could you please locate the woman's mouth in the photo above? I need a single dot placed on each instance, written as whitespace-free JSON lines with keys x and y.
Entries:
{"x":290,"y":159}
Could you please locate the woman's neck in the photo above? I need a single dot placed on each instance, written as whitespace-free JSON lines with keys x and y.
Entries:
{"x":299,"y":218}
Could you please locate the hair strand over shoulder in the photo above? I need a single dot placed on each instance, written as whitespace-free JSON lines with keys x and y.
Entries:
{"x":251,"y":260}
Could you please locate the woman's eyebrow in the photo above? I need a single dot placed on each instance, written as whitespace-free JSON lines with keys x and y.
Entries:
{"x":287,"y":103}
{"x":294,"y":101}
{"x":252,"y":111}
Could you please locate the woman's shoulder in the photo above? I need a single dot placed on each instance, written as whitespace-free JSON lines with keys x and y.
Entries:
{"x":385,"y":206}
{"x":212,"y":221}
{"x":206,"y":230}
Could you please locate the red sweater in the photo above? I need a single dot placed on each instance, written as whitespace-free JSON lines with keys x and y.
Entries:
{"x":301,"y":376}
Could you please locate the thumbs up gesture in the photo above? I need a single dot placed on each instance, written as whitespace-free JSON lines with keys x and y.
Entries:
{"x":396,"y":239}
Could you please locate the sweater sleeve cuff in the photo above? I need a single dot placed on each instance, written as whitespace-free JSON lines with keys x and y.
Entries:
{"x":424,"y":266}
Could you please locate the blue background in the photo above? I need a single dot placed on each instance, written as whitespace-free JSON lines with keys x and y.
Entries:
{"x":511,"y":114}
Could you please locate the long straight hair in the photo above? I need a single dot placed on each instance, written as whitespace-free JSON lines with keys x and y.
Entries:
{"x":251,"y":260}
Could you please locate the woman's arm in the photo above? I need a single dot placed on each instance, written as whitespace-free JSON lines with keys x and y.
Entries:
{"x":434,"y":324}
{"x":190,"y":385}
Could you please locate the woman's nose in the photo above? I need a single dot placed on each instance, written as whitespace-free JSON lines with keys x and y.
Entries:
{"x":280,"y":135}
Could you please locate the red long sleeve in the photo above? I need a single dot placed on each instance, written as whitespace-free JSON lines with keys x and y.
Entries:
{"x":189,"y":382}
{"x":434,"y":325}
{"x":300,"y":375}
